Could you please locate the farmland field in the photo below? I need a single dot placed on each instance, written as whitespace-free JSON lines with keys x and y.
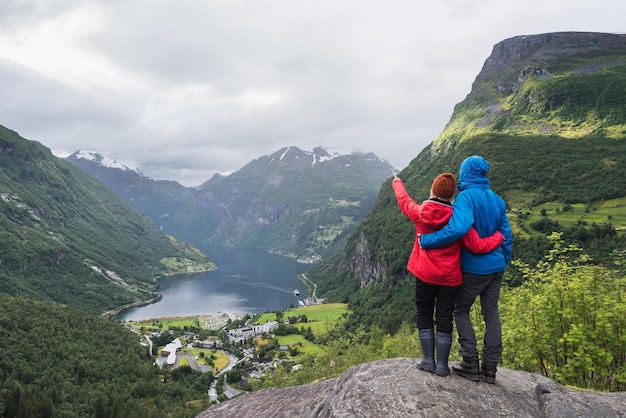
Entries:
{"x":319,"y":317}
{"x":304,"y":346}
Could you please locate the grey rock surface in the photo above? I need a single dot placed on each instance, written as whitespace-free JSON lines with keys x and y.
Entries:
{"x":396,"y":388}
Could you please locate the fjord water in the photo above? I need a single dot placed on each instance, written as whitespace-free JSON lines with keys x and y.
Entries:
{"x":246,"y":281}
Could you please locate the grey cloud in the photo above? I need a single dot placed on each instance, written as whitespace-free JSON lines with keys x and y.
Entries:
{"x":189,"y":88}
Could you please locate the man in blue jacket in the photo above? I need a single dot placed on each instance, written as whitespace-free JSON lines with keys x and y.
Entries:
{"x":478,"y":206}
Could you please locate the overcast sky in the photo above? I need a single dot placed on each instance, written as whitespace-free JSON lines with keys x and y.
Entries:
{"x":183,"y":89}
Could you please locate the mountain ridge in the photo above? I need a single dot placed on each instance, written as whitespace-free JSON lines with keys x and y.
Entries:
{"x":67,"y":238}
{"x":314,"y":198}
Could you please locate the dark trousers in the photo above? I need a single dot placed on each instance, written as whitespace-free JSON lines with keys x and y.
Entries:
{"x":429,"y":297}
{"x":487,"y":287}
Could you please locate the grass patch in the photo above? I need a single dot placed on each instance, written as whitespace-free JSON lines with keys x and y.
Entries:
{"x":304,"y":346}
{"x":202,"y":359}
{"x":611,"y":211}
{"x":219,"y":363}
{"x":157,"y":324}
{"x":518,"y":200}
{"x":320,"y":317}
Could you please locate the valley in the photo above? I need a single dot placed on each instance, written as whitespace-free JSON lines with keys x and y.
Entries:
{"x":548,"y":113}
{"x":297,"y":203}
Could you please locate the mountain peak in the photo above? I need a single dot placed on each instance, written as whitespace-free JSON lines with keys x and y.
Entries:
{"x":319,"y":154}
{"x":101,"y":160}
{"x":520,"y":54}
{"x":525,"y":88}
{"x":292,"y":152}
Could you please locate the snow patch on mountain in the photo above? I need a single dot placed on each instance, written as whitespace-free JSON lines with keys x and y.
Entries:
{"x":318,"y":154}
{"x":284,"y":153}
{"x":104,"y":161}
{"x":321,"y":154}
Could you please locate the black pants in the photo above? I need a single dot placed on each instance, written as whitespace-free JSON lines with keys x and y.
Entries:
{"x":429,"y":297}
{"x":487,"y":288}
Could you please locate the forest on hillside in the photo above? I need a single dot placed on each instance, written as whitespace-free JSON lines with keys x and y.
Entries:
{"x":551,"y":172}
{"x":57,"y":361}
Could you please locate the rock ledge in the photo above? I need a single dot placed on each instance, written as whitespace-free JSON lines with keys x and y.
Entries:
{"x":396,"y":388}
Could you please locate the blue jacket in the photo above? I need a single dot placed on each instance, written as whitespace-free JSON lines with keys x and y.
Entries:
{"x":478,"y":206}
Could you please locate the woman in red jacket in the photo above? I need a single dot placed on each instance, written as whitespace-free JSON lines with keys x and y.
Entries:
{"x":438,"y":270}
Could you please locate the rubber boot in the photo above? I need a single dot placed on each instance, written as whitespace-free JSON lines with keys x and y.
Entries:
{"x":488,"y":373}
{"x":468,"y":369}
{"x":427,"y":340}
{"x":444,"y":342}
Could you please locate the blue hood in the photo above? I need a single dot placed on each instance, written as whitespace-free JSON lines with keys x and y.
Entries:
{"x":473,"y":173}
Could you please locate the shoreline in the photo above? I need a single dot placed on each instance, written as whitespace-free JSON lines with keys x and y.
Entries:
{"x":110,"y":314}
{"x":117,"y":311}
{"x":231,"y":316}
{"x":308,"y":283}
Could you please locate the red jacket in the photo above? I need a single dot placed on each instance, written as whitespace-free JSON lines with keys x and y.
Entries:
{"x":440,"y":266}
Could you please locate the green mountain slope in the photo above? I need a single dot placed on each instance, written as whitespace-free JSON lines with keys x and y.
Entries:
{"x":65,"y":237}
{"x":293,"y":202}
{"x":540,"y":112}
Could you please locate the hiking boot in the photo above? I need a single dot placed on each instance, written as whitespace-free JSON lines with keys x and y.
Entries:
{"x":488,"y":373}
{"x":427,"y":341}
{"x":468,"y":369}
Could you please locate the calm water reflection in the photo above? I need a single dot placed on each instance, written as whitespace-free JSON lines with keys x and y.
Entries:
{"x":246,"y":281}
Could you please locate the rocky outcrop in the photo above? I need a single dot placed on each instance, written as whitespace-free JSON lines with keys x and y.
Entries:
{"x":522,"y":86}
{"x":528,"y":53}
{"x":547,"y":45}
{"x":364,"y":265}
{"x":396,"y":388}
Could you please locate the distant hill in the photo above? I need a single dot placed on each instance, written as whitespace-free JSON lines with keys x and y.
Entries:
{"x":549,"y":114}
{"x":152,"y":198}
{"x":301,"y":204}
{"x":65,"y":237}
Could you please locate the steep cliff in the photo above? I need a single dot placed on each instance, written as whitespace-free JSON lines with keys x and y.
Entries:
{"x":395,"y":388}
{"x":563,"y":84}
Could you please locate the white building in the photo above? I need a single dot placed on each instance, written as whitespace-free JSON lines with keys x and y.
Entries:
{"x":241,"y":334}
{"x":170,"y":351}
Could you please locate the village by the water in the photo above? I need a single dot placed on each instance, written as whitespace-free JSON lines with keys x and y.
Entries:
{"x":234,"y":348}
